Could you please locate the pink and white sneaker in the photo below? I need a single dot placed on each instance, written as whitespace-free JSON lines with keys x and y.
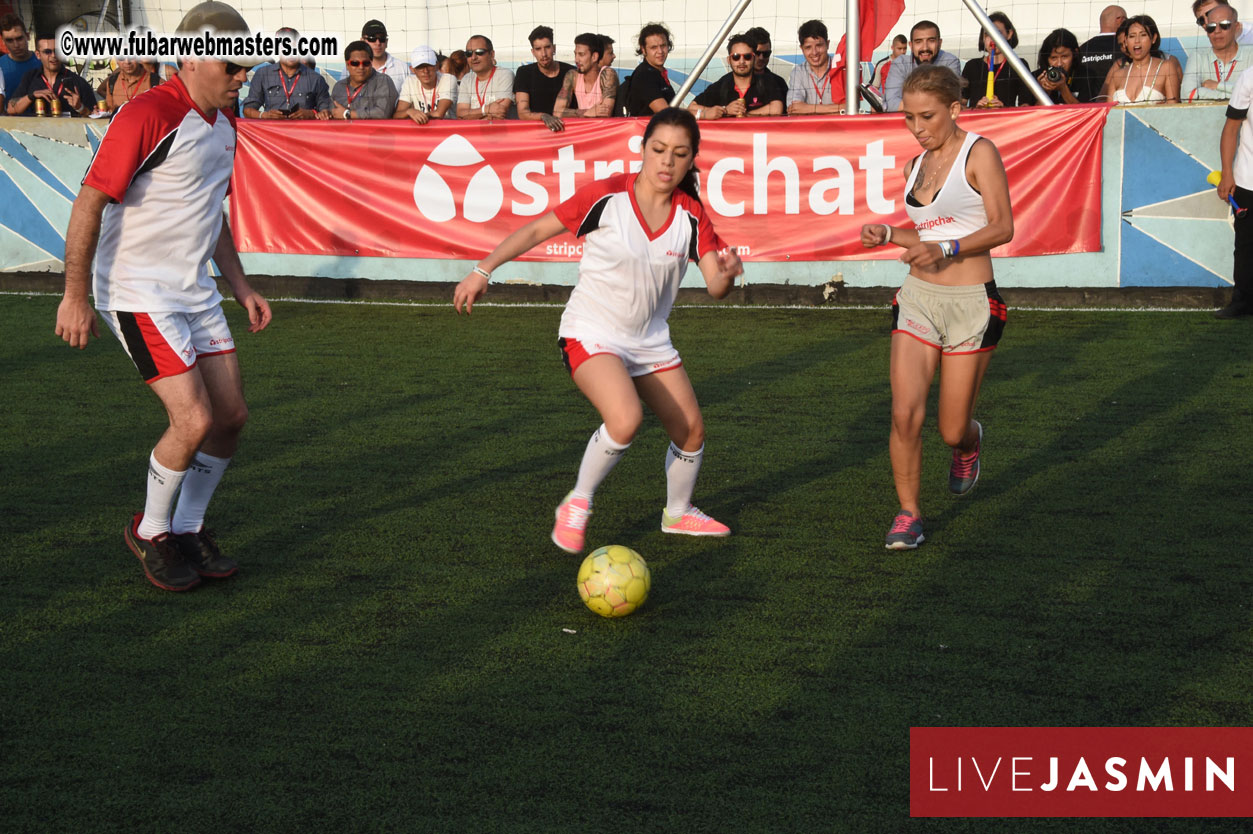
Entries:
{"x":572,"y":515}
{"x":693,"y":523}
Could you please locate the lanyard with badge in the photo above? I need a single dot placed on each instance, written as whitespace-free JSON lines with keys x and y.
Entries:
{"x":287,"y":94}
{"x":487,"y":88}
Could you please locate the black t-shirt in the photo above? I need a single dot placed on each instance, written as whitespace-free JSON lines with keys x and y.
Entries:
{"x":722,"y":92}
{"x":1008,"y":87}
{"x":647,"y":84}
{"x":776,"y":84}
{"x":541,"y":89}
{"x":65,"y":81}
{"x":1097,"y":56}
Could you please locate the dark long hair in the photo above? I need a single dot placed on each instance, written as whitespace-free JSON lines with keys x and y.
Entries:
{"x":678,"y":117}
{"x":1011,"y":34}
{"x":1150,"y":26}
{"x":1058,"y":37}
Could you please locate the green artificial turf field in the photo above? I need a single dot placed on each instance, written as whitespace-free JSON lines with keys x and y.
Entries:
{"x":404,"y":649}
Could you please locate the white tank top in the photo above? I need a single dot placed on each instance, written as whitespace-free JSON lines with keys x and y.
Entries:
{"x":956,"y":210}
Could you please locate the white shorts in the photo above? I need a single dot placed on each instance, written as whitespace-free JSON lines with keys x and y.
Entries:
{"x":168,"y":344}
{"x":638,"y":361}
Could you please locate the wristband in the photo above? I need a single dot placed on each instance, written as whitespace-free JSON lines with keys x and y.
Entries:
{"x":700,"y":112}
{"x":957,"y":247}
{"x":887,"y":234}
{"x":946,"y":248}
{"x":481,"y":271}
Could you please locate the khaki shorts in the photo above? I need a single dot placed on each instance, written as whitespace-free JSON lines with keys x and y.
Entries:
{"x":955,"y":320}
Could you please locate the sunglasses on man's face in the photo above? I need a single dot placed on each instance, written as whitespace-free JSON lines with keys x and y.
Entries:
{"x":478,"y":51}
{"x":356,"y":63}
{"x":743,"y":56}
{"x":1224,"y":24}
{"x":764,"y":53}
{"x":375,"y":39}
{"x":234,"y":69}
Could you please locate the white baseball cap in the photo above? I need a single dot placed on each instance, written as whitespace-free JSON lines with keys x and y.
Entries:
{"x":423,"y":55}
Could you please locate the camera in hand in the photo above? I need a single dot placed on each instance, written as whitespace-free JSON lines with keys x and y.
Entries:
{"x":1055,"y":74}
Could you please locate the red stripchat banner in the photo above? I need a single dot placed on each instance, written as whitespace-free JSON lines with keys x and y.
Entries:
{"x":779,"y":189}
{"x":1081,"y":771}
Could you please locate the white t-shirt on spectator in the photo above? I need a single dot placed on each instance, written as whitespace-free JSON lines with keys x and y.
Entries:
{"x":1238,"y":107}
{"x":427,"y":100}
{"x":477,"y":93}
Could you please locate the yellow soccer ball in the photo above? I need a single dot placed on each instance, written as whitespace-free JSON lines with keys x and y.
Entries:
{"x":614,"y":581}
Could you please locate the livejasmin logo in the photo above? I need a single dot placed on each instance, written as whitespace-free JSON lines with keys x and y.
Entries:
{"x":1023,"y":774}
{"x":763,"y":174}
{"x":1080,"y":772}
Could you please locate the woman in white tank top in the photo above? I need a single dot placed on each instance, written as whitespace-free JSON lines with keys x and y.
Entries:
{"x":1150,"y":77}
{"x":948,"y":314}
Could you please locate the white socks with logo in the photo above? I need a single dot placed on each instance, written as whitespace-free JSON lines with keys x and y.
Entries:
{"x":163,"y":485}
{"x":681,"y":471}
{"x":599,"y":459}
{"x":202,"y":479}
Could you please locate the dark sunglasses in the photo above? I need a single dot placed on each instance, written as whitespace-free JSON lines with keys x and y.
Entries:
{"x":375,"y":39}
{"x":743,"y":56}
{"x":1224,"y":24}
{"x":764,"y":53}
{"x":477,"y":51}
{"x":355,"y":63}
{"x":234,"y":69}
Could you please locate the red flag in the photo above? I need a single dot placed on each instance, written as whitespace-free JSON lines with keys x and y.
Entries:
{"x":877,"y":17}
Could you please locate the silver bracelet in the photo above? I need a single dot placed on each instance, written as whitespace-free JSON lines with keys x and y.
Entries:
{"x":887,"y":234}
{"x":946,"y":247}
{"x":481,"y":271}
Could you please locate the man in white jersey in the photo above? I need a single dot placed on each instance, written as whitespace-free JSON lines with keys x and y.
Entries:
{"x":1235,"y":149}
{"x":150,"y":210}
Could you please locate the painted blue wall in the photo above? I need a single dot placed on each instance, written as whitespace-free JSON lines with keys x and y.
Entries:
{"x":1162,"y":225}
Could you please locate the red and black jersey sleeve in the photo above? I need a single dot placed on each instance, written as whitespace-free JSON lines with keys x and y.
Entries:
{"x":704,"y":239}
{"x":581,"y":213}
{"x":138,"y":138}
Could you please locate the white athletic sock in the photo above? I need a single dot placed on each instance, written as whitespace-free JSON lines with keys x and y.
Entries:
{"x":202,"y":479}
{"x":681,"y":471}
{"x":163,"y":485}
{"x":599,"y":459}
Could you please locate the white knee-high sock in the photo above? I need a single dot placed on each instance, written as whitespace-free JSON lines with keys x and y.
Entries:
{"x":599,"y":458}
{"x":163,"y":485}
{"x":681,"y":471}
{"x":202,"y":479}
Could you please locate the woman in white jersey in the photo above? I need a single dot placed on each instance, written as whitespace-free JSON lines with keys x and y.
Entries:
{"x":641,"y":231}
{"x":948,"y":314}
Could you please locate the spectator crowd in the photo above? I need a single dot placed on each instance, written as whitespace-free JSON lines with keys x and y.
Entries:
{"x":1123,"y":63}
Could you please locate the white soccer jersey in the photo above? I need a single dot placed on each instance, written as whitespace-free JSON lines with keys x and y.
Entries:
{"x":168,"y":167}
{"x":629,"y":275}
{"x":1238,"y":108}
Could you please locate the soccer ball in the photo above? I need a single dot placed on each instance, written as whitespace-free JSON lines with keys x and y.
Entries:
{"x":614,"y":581}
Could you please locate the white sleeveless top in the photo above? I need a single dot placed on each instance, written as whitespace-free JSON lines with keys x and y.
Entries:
{"x":1147,"y":94}
{"x":956,"y":210}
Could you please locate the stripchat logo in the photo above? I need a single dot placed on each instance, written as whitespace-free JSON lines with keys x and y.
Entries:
{"x":484,"y":196}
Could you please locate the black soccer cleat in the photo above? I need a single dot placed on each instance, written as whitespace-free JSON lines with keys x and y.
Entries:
{"x":162,"y":562}
{"x":202,"y":554}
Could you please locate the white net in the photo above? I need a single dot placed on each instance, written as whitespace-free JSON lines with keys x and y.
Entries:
{"x":446,"y":24}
